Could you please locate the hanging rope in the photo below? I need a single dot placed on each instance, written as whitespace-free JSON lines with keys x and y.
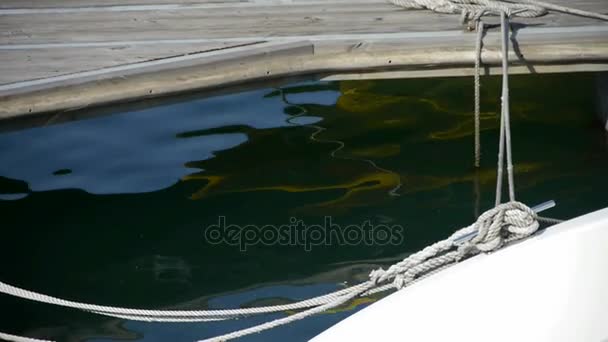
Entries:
{"x":505,"y":119}
{"x":478,"y":46}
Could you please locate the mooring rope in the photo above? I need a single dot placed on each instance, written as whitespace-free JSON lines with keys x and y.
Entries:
{"x":501,"y":225}
{"x":477,"y":85}
{"x":15,"y":338}
{"x":505,"y":120}
{"x":475,"y":9}
{"x":566,"y":10}
{"x":493,"y":229}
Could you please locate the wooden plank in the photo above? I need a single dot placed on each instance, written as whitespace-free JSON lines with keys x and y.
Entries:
{"x":226,"y":67}
{"x":468,"y":71}
{"x":151,"y":78}
{"x":101,"y":3}
{"x":226,"y":22}
{"x":96,"y":39}
{"x":42,"y":63}
{"x":10,"y":4}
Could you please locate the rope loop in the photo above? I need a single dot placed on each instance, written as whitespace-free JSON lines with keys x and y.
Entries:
{"x":474,"y":9}
{"x":497,"y":226}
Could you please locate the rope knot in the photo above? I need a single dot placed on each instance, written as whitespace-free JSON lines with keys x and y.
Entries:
{"x":401,"y":281}
{"x":377,"y":276}
{"x":502,"y":224}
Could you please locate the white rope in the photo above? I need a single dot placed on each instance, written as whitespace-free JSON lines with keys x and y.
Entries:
{"x":497,"y":226}
{"x":494,"y":228}
{"x":567,"y":10}
{"x":168,"y":315}
{"x":15,"y":338}
{"x":505,"y":122}
{"x":478,"y":46}
{"x":475,"y":9}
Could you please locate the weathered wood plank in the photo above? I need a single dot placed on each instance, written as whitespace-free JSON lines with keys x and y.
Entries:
{"x":41,"y":38}
{"x":210,"y":24}
{"x":228,"y":23}
{"x":328,"y":58}
{"x":104,"y":3}
{"x":90,"y":3}
{"x":41,"y":63}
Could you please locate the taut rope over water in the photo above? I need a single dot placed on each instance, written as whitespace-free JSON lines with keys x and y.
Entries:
{"x":478,"y":47}
{"x":505,"y":119}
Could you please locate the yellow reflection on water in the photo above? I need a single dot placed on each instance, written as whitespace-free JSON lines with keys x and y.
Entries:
{"x":372,"y":124}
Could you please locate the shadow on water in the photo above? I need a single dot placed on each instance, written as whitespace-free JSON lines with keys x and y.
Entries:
{"x":113,"y":209}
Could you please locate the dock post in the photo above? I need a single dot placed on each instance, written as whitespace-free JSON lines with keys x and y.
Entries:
{"x":602,"y":97}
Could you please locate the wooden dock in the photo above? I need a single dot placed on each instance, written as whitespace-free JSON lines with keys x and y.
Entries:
{"x":64,"y":54}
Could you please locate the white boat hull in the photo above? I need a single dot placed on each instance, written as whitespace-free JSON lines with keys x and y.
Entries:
{"x":551,"y":287}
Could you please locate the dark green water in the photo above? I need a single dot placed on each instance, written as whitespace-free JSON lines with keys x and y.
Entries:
{"x":113,"y":210}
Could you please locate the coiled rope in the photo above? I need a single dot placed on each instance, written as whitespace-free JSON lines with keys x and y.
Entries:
{"x":475,"y":9}
{"x":503,"y":224}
